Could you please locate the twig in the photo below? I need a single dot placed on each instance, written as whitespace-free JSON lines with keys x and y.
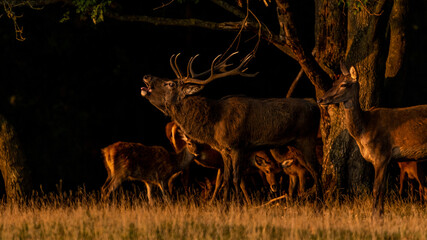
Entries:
{"x":272,"y":200}
{"x":11,"y":14}
{"x":294,"y":83}
{"x":296,"y":80}
{"x":163,"y":5}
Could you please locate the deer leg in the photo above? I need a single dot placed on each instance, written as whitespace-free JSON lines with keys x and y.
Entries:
{"x":238,"y":160}
{"x":245,"y":192}
{"x":379,"y":186}
{"x":112,"y":185}
{"x":165,"y":194}
{"x":401,"y":180}
{"x":292,"y":186}
{"x":217,"y":184}
{"x":301,"y":185}
{"x":148,"y":186}
{"x":308,"y":149}
{"x":421,"y":181}
{"x":105,"y":187}
{"x":226,"y":177}
{"x":171,"y":179}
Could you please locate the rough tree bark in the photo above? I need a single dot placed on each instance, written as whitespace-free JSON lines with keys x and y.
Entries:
{"x":13,"y":166}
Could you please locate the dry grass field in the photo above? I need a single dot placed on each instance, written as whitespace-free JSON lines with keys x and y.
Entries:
{"x":128,"y":216}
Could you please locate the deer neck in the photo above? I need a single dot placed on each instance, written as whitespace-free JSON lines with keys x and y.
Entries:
{"x":354,"y":115}
{"x":183,"y":160}
{"x":194,"y":115}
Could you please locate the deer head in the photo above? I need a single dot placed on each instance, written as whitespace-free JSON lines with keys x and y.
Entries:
{"x":288,"y":163}
{"x":268,"y":167}
{"x":163,"y":93}
{"x":344,"y":90}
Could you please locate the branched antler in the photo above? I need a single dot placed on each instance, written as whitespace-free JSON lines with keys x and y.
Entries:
{"x":217,"y":69}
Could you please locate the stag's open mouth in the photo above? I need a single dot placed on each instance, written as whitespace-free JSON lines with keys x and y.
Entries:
{"x":145,"y":91}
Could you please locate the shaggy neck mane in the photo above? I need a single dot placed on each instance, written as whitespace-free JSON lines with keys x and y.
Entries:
{"x":194,"y":114}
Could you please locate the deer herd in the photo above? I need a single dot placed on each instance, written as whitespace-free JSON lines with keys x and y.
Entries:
{"x":269,"y":138}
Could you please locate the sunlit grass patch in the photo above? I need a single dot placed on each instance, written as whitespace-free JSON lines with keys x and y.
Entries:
{"x":81,"y":215}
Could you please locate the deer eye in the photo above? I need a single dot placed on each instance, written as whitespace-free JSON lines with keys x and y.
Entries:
{"x":170,"y":84}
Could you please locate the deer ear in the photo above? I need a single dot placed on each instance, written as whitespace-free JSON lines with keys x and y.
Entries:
{"x":191,"y":89}
{"x":344,"y":69}
{"x":258,"y":160}
{"x":353,"y":73}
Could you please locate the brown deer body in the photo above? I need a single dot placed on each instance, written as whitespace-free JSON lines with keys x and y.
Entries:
{"x":210,"y":158}
{"x":411,"y":170}
{"x":382,"y":134}
{"x":149,"y":164}
{"x":232,"y":125}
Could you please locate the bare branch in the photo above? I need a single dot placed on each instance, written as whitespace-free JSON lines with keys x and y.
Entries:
{"x":32,"y":3}
{"x":311,"y":68}
{"x":164,"y":5}
{"x":294,"y":84}
{"x":229,"y":8}
{"x":296,"y":80}
{"x":190,"y":22}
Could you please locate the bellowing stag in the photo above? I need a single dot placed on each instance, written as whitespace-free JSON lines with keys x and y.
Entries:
{"x":236,"y":126}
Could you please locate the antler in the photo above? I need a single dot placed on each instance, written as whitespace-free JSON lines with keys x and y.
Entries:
{"x":220,"y":67}
{"x":174,"y":65}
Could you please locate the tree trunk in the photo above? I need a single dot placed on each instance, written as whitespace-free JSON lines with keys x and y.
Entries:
{"x":13,"y":164}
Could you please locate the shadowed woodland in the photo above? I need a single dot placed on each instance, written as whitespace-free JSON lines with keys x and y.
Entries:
{"x":72,"y":87}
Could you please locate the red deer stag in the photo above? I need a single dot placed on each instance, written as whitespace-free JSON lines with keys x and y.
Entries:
{"x":231,"y":125}
{"x":382,"y":134}
{"x":412,"y":170}
{"x":149,"y":164}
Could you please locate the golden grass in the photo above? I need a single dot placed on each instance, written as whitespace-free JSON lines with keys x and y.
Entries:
{"x":130,"y":217}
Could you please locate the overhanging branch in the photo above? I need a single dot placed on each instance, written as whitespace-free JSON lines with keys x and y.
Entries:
{"x":192,"y":22}
{"x":32,"y":3}
{"x":229,"y":8}
{"x":253,"y":26}
{"x":189,"y":22}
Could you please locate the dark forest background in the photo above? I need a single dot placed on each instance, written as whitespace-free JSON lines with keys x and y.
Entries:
{"x":73,"y":88}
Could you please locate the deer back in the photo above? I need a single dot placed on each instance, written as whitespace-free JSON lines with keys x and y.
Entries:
{"x":234,"y":122}
{"x":137,"y":161}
